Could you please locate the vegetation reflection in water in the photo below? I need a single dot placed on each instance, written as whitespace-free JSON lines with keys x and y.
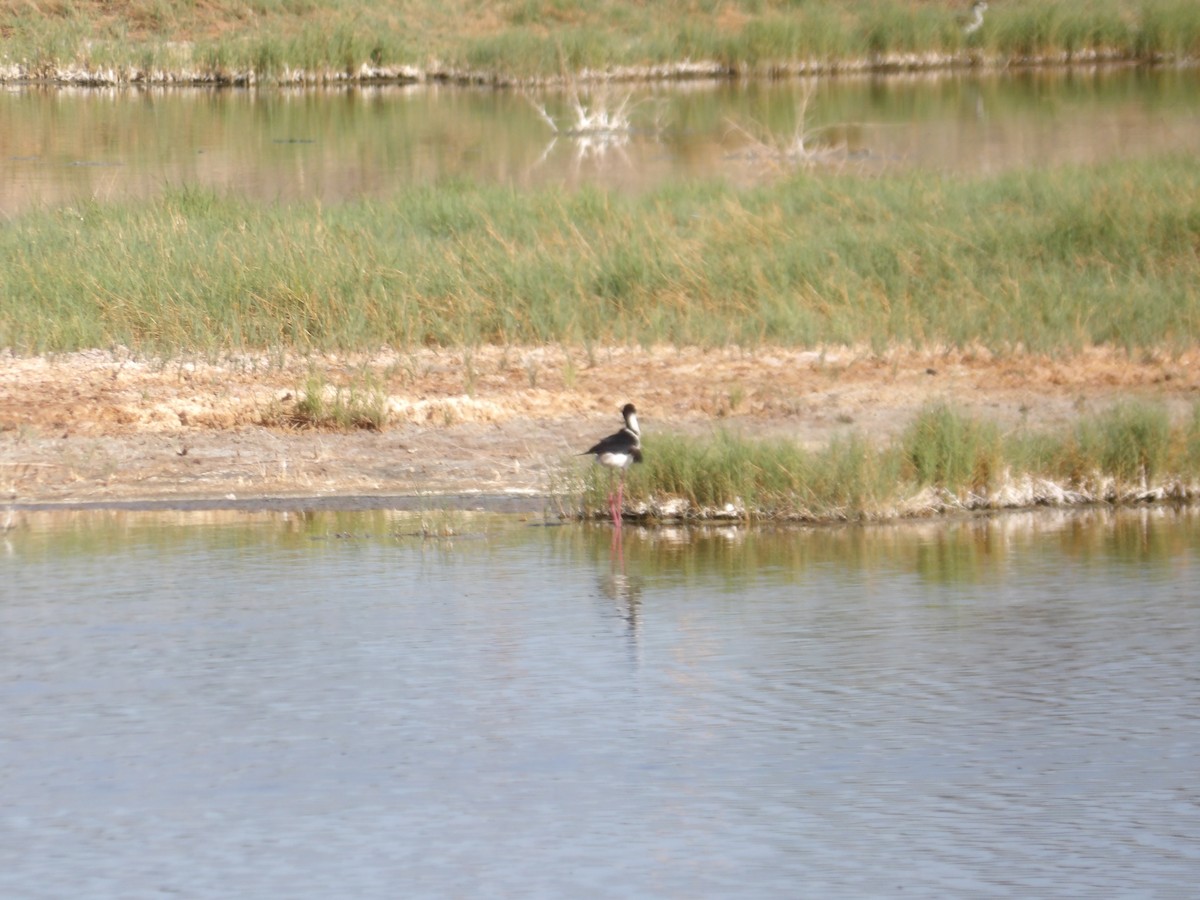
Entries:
{"x":1161,"y":540}
{"x":335,"y":145}
{"x":968,"y":550}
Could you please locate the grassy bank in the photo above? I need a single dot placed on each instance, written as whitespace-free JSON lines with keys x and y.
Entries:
{"x":268,"y":40}
{"x":943,"y":461}
{"x":1040,"y":260}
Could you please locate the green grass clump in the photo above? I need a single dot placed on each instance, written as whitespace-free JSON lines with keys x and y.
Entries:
{"x":360,"y":406}
{"x":1038,"y":261}
{"x":945,"y":448}
{"x":1134,"y":443}
{"x":1168,"y":28}
{"x":1129,"y":442}
{"x":1190,"y":450}
{"x":724,"y":471}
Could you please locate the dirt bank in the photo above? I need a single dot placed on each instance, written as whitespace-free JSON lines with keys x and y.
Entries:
{"x":104,"y":426}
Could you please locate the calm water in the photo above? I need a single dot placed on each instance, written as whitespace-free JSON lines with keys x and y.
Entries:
{"x":68,"y":146}
{"x":252,"y":705}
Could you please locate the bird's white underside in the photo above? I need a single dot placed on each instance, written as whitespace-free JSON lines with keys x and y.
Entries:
{"x":615,"y":460}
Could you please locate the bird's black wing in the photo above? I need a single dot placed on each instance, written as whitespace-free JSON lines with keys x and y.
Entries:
{"x":621,"y":442}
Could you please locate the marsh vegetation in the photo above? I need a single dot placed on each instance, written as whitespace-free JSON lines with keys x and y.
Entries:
{"x":266,"y":41}
{"x":1034,"y":260}
{"x":945,"y":460}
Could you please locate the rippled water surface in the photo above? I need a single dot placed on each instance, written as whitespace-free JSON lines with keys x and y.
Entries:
{"x":269,"y":705}
{"x":67,"y":147}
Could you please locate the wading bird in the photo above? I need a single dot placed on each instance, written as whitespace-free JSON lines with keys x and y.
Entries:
{"x":618,"y":452}
{"x":978,"y":8}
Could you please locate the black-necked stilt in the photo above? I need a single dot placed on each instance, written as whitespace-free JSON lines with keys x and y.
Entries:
{"x":977,"y":10}
{"x":619,"y":451}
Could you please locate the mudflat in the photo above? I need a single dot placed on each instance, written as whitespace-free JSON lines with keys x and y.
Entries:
{"x":112,"y":426}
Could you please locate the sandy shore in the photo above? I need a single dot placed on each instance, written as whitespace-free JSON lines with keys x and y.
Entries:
{"x":111,"y":427}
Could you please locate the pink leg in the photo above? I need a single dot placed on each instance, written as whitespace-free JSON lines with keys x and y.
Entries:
{"x":612,"y":498}
{"x":619,"y":504}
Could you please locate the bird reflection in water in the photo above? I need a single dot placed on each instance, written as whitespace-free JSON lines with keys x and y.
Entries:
{"x":623,"y":589}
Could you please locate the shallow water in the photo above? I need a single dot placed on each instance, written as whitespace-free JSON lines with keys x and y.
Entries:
{"x":72,"y":146}
{"x":217,"y":704}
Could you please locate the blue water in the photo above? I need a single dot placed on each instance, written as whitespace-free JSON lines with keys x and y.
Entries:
{"x":252,"y":705}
